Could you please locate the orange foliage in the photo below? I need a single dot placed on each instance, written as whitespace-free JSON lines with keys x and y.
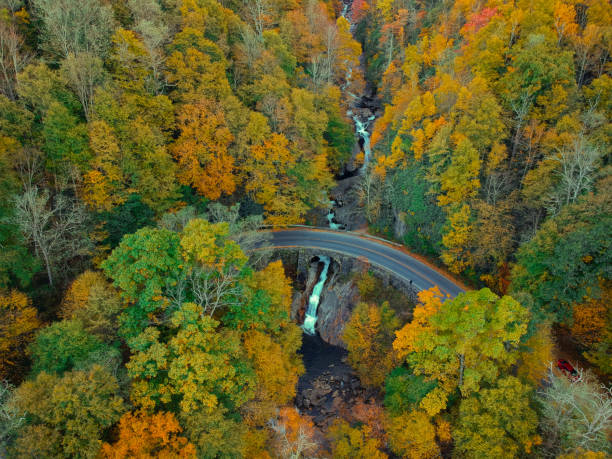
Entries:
{"x":202,"y":150}
{"x":77,"y":295}
{"x":373,"y":415}
{"x":294,"y":422}
{"x":148,"y":436}
{"x":590,"y":318}
{"x":430,"y":303}
{"x":18,"y":321}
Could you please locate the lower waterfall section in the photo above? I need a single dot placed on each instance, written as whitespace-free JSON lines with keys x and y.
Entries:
{"x":310,"y":319}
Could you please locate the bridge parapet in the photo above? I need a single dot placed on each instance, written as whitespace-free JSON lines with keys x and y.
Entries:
{"x":342,"y":265}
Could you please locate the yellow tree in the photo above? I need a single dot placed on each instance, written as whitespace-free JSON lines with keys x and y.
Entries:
{"x":202,"y":150}
{"x":92,"y":300}
{"x":270,"y":182}
{"x":347,"y":59}
{"x":413,"y":435}
{"x":369,"y":336}
{"x":536,"y":354}
{"x":277,"y":376}
{"x":497,"y":422}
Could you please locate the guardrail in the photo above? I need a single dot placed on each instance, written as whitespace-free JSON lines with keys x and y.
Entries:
{"x":324,"y":228}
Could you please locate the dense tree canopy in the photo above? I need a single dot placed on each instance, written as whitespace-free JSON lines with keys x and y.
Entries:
{"x":144,"y":144}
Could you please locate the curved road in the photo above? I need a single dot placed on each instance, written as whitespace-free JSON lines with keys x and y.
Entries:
{"x":397,"y":262}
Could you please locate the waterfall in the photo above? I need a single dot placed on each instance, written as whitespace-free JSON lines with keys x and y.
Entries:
{"x":362,"y":129}
{"x":331,"y":215}
{"x":345,"y":10}
{"x":310,"y":320}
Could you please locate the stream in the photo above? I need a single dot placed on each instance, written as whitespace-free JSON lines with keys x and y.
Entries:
{"x":330,"y":385}
{"x":363,"y":115}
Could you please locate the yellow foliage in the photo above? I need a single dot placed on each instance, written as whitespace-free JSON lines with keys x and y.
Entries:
{"x":18,"y":321}
{"x":430,"y":302}
{"x":100,"y":184}
{"x":591,"y":318}
{"x":413,"y":435}
{"x":539,"y":351}
{"x":277,"y":376}
{"x":277,"y":285}
{"x":207,"y":243}
{"x":455,"y":254}
{"x":582,"y":454}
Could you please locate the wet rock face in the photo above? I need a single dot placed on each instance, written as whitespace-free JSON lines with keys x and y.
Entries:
{"x":337,"y":303}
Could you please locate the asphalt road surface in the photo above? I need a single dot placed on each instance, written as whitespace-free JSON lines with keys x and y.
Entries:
{"x":392,"y":259}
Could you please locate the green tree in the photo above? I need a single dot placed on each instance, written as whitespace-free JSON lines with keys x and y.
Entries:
{"x":16,"y":264}
{"x":142,"y":267}
{"x":568,"y":256}
{"x":463,"y":343}
{"x":65,"y":345}
{"x":404,"y":391}
{"x":126,"y":218}
{"x":65,"y":142}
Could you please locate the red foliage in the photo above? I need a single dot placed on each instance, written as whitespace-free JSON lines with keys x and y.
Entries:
{"x":358,"y":9}
{"x":478,"y":20}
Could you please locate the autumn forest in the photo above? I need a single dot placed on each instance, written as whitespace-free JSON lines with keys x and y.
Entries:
{"x":150,"y":150}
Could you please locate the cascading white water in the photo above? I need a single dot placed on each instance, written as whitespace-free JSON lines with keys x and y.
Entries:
{"x":310,"y":320}
{"x":362,"y":129}
{"x":331,"y":215}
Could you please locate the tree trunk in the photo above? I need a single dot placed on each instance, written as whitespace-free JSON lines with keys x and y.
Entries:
{"x":461,"y":369}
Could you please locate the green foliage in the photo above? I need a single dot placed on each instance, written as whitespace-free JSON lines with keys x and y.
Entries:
{"x":420,"y":218}
{"x":286,"y":59}
{"x":65,"y":345}
{"x":568,"y":256}
{"x":199,"y":367}
{"x":340,"y":137}
{"x":142,"y":266}
{"x":404,"y":391}
{"x":463,"y":343}
{"x":65,"y":141}
{"x":127,"y":218}
{"x":40,"y":86}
